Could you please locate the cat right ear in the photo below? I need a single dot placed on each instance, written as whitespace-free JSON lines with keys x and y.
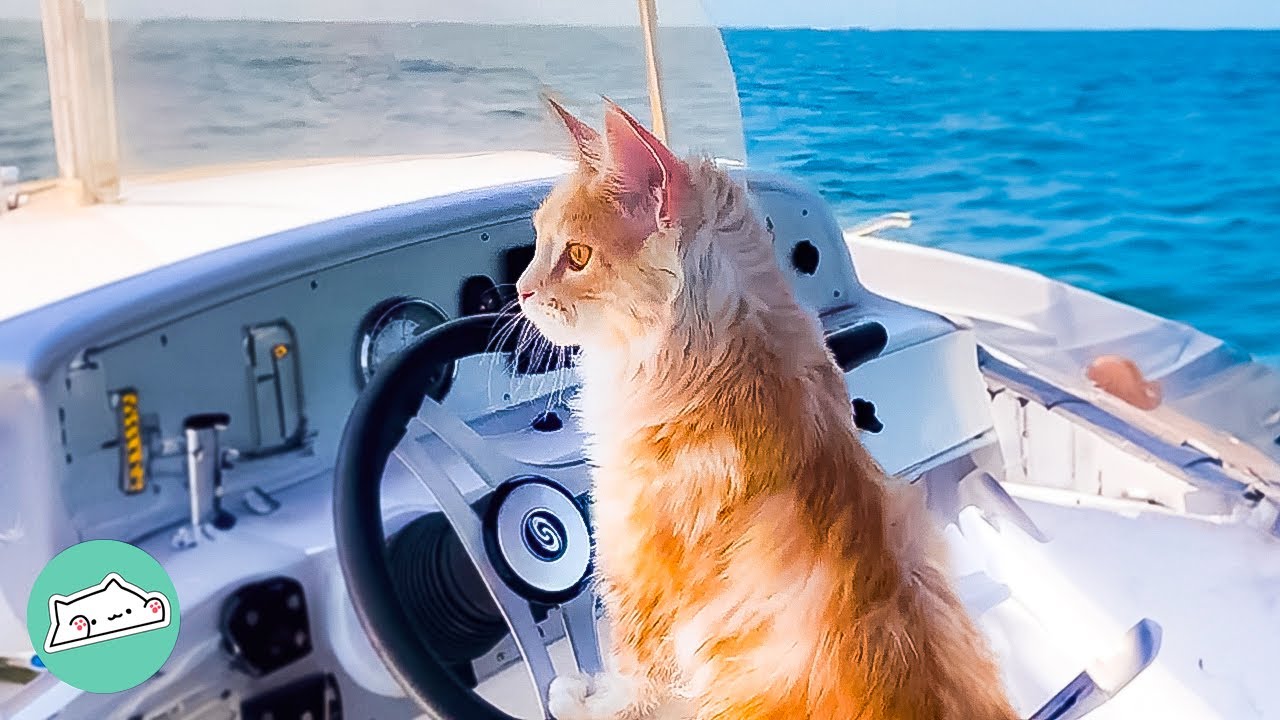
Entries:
{"x":652,"y":184}
{"x":585,"y":138}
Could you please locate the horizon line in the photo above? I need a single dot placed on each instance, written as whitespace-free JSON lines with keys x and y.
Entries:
{"x":1063,"y":28}
{"x":722,"y":26}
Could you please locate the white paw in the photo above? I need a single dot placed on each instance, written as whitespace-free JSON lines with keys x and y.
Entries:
{"x":581,"y":697}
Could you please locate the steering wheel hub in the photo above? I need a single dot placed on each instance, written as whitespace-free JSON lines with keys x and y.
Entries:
{"x":544,"y":535}
{"x":537,"y":537}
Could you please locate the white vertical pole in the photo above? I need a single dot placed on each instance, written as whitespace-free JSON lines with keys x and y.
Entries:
{"x":100,"y":111}
{"x":82,"y":97}
{"x":57,"y":56}
{"x":657,"y":107}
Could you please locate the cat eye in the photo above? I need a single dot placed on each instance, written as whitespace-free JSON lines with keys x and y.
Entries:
{"x":579,"y":255}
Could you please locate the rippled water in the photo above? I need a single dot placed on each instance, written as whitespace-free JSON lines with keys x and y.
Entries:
{"x":1145,"y":166}
{"x":201,"y":92}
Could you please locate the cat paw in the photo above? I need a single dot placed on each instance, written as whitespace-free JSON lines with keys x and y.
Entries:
{"x":606,"y":696}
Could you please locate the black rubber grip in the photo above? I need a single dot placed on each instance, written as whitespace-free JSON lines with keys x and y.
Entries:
{"x":854,"y":345}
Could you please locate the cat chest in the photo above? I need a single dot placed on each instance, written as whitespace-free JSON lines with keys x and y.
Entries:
{"x":649,"y":557}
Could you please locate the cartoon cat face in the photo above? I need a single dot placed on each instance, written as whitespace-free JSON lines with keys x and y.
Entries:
{"x":112,"y":608}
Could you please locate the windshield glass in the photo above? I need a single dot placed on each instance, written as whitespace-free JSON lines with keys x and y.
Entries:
{"x":26,"y":128}
{"x":273,"y":80}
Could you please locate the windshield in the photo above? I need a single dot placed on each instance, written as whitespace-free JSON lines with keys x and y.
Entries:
{"x":26,"y":128}
{"x":272,"y":80}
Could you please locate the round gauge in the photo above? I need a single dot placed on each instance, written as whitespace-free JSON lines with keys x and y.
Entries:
{"x":391,"y":327}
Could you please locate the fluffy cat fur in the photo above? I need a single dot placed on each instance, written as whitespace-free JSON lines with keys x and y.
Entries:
{"x":753,"y":560}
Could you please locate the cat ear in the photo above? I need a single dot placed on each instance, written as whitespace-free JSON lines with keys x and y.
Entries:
{"x":651,"y":181}
{"x":585,"y":138}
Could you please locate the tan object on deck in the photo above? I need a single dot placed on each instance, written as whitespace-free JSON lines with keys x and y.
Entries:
{"x":1119,"y":376}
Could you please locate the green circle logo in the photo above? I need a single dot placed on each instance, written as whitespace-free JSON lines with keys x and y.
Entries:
{"x":103,"y":616}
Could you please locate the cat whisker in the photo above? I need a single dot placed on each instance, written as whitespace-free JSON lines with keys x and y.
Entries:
{"x":549,"y":354}
{"x":522,"y":357}
{"x":541,"y":362}
{"x":554,"y":397}
{"x":566,"y":377}
{"x":511,"y":316}
{"x":498,"y":340}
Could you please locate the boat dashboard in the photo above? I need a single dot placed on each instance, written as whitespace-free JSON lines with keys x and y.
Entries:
{"x":255,"y":354}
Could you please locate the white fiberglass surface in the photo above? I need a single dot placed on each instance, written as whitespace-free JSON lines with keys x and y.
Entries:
{"x":1212,"y":392}
{"x":1051,"y":609}
{"x":1108,"y":564}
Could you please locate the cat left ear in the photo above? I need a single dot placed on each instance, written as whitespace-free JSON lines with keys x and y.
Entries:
{"x":650,"y":179}
{"x":585,"y":138}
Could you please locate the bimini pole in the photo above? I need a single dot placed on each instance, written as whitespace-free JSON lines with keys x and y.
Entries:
{"x":82,"y":98}
{"x":657,"y":107}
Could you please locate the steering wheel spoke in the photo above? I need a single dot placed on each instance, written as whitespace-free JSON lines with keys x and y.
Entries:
{"x":537,"y":659}
{"x":492,"y":465}
{"x":579,"y":615}
{"x":528,"y":538}
{"x":469,"y":527}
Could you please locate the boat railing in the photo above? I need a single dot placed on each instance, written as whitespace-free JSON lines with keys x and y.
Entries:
{"x":888,"y":221}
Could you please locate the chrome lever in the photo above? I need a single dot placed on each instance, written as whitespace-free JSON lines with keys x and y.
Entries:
{"x":206,"y":460}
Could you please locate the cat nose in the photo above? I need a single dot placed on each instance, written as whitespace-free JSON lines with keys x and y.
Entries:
{"x":525,"y":295}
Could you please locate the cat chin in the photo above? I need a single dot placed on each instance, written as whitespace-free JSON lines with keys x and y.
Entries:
{"x":561,"y":338}
{"x":554,"y":331}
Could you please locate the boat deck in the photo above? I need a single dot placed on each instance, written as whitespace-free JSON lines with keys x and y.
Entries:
{"x":1049,"y":609}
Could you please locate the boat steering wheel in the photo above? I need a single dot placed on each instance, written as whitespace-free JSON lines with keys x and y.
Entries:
{"x":531,"y":544}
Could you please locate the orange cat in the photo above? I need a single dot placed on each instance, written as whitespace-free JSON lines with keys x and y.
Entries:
{"x":752,"y":559}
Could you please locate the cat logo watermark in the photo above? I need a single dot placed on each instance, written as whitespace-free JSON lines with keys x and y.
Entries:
{"x":103,"y":616}
{"x":114,"y":608}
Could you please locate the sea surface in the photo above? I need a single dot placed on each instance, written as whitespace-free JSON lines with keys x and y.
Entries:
{"x":1141,"y":165}
{"x":1144,"y":166}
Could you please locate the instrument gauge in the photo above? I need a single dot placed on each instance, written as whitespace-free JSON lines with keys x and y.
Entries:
{"x":390,"y":327}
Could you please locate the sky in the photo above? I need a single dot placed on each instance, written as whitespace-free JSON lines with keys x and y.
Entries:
{"x":874,"y":14}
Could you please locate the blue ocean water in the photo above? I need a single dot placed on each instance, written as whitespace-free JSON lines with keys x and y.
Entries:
{"x":1141,"y":165}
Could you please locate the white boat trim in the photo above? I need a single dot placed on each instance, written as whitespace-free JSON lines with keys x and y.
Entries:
{"x":1219,"y":408}
{"x":56,"y":251}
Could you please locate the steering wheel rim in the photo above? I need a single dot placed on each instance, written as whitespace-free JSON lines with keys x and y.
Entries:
{"x":393,"y":401}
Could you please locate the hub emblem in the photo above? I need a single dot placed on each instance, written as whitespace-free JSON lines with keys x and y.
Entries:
{"x":544,"y":535}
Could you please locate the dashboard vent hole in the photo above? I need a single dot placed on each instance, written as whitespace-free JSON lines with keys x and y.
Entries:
{"x":804,"y":257}
{"x":515,"y":261}
{"x":481,"y":295}
{"x":547,"y":422}
{"x":864,"y":416}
